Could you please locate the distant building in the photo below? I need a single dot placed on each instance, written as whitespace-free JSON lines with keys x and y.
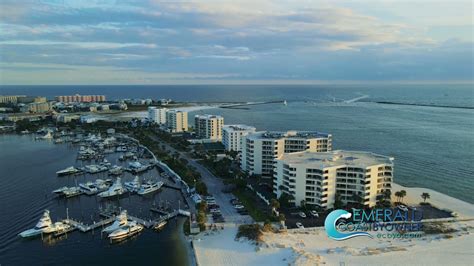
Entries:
{"x":209,"y":126}
{"x":41,"y":107}
{"x":232,"y":136}
{"x":80,"y":98}
{"x":260,"y":149}
{"x":66,"y":118}
{"x":318,"y":177}
{"x":177,"y":121}
{"x":32,"y":99}
{"x":10,"y":98}
{"x":157,"y":115}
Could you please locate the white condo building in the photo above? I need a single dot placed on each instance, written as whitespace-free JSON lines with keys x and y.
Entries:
{"x":316,"y":177}
{"x":209,"y":126}
{"x":177,"y":121}
{"x":233,"y":135}
{"x":260,"y":149}
{"x":157,"y":115}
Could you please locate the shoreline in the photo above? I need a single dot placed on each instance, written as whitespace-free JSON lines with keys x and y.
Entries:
{"x":311,"y":246}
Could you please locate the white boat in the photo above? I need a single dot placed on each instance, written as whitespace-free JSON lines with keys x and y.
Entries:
{"x":120,"y":220}
{"x":160,"y":225}
{"x":68,"y":171}
{"x":115,"y":190}
{"x":116,"y":170}
{"x":89,"y":188}
{"x":94,"y":168}
{"x":128,"y":230}
{"x":149,"y":187}
{"x":68,"y":191}
{"x":134,"y":185}
{"x":44,"y":226}
{"x":46,"y":136}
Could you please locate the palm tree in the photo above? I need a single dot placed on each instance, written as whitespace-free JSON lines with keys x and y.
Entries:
{"x":403,"y":194}
{"x":425,"y":196}
{"x":398,"y":195}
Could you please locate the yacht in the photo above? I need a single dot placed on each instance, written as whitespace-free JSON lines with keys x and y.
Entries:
{"x":120,"y":220}
{"x":46,"y":136}
{"x":91,"y":188}
{"x":128,"y":230}
{"x":116,"y":170}
{"x":68,"y":171}
{"x":115,"y":190}
{"x":160,"y":225}
{"x":94,"y":168}
{"x":149,"y":187}
{"x":133,"y":186}
{"x":68,"y":191}
{"x":44,"y":225}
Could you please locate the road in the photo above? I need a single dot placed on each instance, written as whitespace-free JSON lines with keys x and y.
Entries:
{"x":214,"y":187}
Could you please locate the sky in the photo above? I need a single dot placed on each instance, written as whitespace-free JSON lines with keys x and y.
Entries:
{"x":62,"y":42}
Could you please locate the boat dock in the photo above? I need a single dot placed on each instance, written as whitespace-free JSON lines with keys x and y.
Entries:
{"x":86,"y":228}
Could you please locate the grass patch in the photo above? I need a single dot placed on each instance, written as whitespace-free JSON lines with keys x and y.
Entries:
{"x":249,"y":201}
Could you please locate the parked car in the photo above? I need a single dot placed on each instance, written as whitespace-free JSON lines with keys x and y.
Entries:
{"x":299,"y":225}
{"x":239,"y":206}
{"x":302,"y":214}
{"x":211,"y":202}
{"x":402,"y":207}
{"x":214,"y":211}
{"x":234,"y":201}
{"x":209,"y":198}
{"x":314,"y":213}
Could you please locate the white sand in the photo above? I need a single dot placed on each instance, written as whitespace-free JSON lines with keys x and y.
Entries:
{"x":313,"y":247}
{"x":462,"y":208}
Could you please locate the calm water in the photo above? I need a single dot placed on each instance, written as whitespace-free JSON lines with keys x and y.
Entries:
{"x":27,"y":177}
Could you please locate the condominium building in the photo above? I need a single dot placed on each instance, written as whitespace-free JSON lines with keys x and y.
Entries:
{"x":233,"y":135}
{"x":317,"y":177}
{"x":41,"y":107}
{"x":177,"y":121}
{"x":209,"y":126}
{"x":10,"y":98}
{"x":260,"y":149}
{"x":80,"y":98}
{"x":157,"y":115}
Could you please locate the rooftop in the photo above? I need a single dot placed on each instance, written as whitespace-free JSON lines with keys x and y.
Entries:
{"x":288,"y":134}
{"x":238,"y":127}
{"x":207,"y":116}
{"x":322,"y":160}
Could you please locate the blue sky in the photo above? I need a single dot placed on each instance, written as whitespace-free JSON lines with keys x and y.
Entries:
{"x":176,"y":42}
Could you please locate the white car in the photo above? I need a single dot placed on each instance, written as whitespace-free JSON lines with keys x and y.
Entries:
{"x":299,"y":225}
{"x":403,"y":208}
{"x":302,"y":214}
{"x":239,"y":206}
{"x":314,"y":213}
{"x":214,"y":211}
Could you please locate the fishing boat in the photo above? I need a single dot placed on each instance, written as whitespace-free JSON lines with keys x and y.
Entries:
{"x":44,"y":226}
{"x":115,"y":190}
{"x":68,"y":171}
{"x":160,"y":225}
{"x":120,"y":220}
{"x":149,"y":187}
{"x":134,"y":185}
{"x":128,"y":230}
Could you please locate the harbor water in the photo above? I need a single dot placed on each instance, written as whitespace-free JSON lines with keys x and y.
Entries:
{"x":27,"y":177}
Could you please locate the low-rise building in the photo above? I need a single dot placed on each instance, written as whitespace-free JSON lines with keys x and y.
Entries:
{"x":209,"y":127}
{"x":177,"y":121}
{"x":232,"y":136}
{"x":317,"y":178}
{"x":66,"y":118}
{"x":260,"y":149}
{"x":80,"y":98}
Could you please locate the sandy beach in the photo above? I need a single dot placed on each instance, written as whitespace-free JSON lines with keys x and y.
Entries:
{"x":311,"y":246}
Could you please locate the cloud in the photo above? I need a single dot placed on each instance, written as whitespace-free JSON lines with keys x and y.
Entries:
{"x":320,"y":40}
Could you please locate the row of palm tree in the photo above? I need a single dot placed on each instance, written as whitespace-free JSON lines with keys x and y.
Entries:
{"x":402,"y":193}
